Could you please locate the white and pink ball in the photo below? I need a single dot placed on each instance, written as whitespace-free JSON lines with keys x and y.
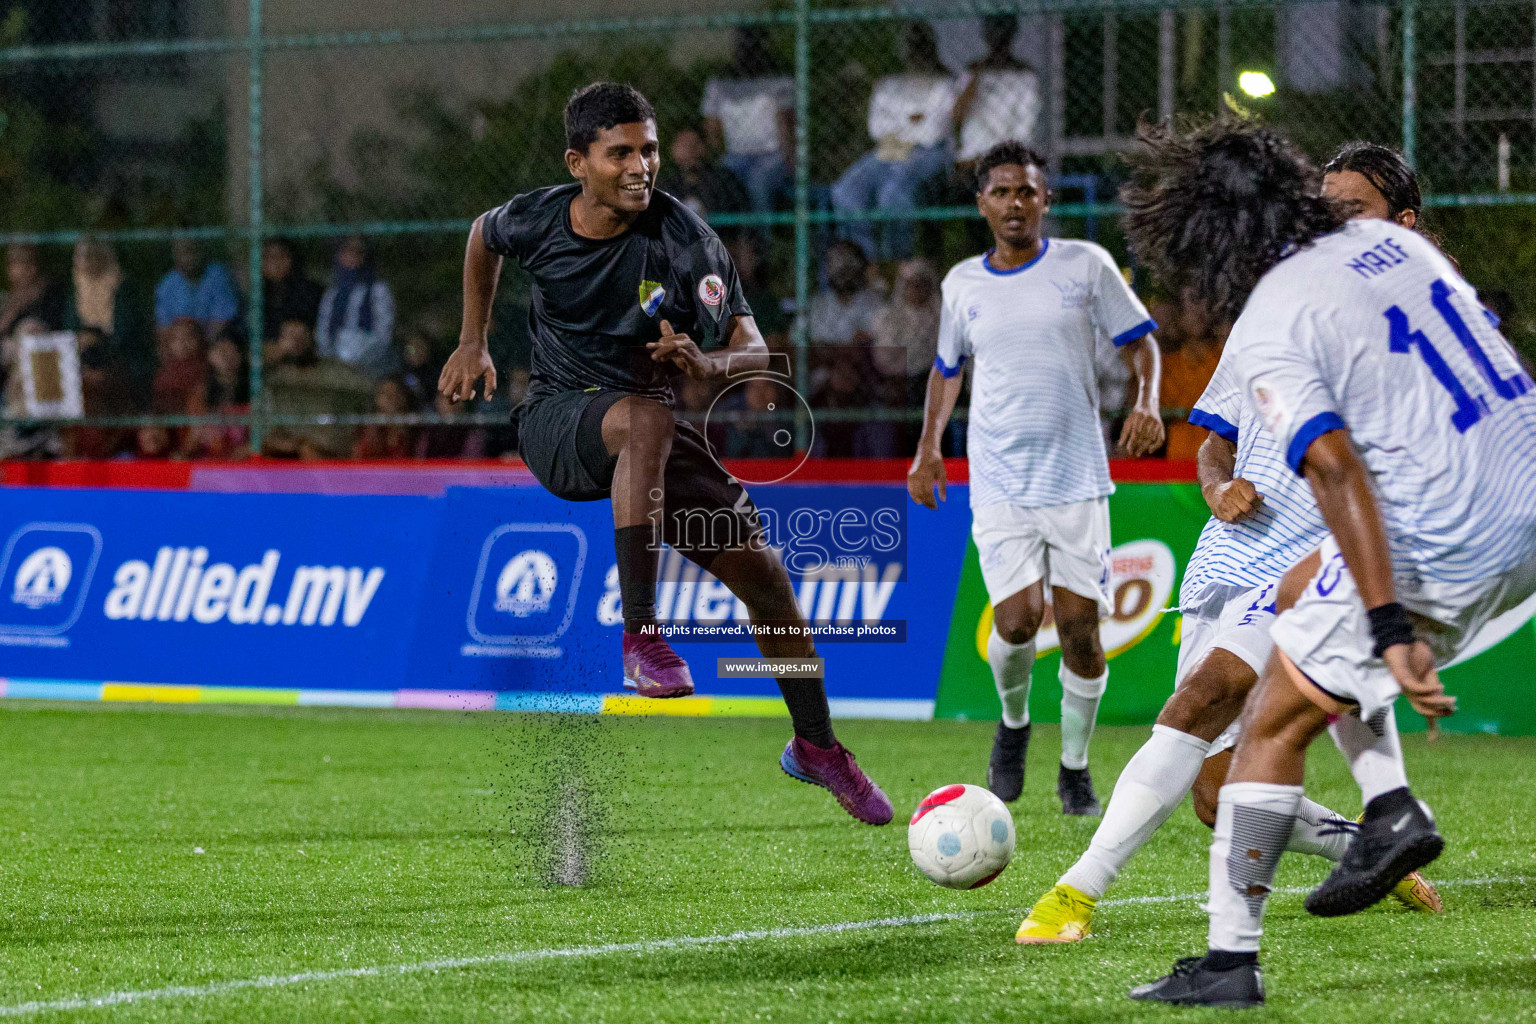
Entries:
{"x":961,"y":836}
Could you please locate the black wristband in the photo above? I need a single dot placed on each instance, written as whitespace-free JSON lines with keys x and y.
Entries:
{"x":1390,"y":626}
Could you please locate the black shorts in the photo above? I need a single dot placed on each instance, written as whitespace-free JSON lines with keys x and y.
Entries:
{"x":706,"y":510}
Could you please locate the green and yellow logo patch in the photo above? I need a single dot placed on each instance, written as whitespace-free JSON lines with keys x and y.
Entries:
{"x":651,"y":294}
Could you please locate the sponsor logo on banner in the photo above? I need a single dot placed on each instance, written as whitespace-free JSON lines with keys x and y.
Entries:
{"x":845,"y":592}
{"x":43,"y":578}
{"x":46,"y":571}
{"x":1141,"y":578}
{"x":524,"y":594}
{"x":527,"y":584}
{"x":181,"y":584}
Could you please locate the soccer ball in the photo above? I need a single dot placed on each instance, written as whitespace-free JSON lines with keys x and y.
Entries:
{"x":961,"y":836}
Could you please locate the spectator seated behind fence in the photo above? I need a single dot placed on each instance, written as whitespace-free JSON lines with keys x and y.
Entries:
{"x":451,"y":440}
{"x":844,"y":313}
{"x":705,"y":186}
{"x":849,"y":386}
{"x":29,"y":293}
{"x":750,"y":112}
{"x":152,"y":442}
{"x":746,"y":253}
{"x":911,"y":120}
{"x":1001,"y":99}
{"x":287,"y":292}
{"x":104,"y":391}
{"x":420,"y":367}
{"x":102,"y":300}
{"x":181,"y":382}
{"x":193,"y":287}
{"x":758,"y":416}
{"x":228,"y":394}
{"x":117,"y":355}
{"x":906,"y":331}
{"x":33,"y":304}
{"x":379,"y":441}
{"x":298,"y":382}
{"x":30,"y":442}
{"x":357,"y":313}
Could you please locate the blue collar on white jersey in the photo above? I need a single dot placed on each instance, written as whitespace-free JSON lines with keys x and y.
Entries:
{"x":986,"y":260}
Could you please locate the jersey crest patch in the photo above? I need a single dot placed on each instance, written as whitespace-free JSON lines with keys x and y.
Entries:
{"x":1074,"y":294}
{"x":1272,"y":408}
{"x":651,"y":295}
{"x":711,"y":290}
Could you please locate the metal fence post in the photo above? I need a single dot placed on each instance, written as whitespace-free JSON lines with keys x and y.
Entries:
{"x":1223,"y":55}
{"x":1166,"y":58}
{"x":1410,"y":88}
{"x":255,"y":318}
{"x":802,"y":211}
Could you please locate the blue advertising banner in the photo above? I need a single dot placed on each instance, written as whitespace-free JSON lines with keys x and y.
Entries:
{"x":488,"y":591}
{"x":211,"y":589}
{"x":523,"y":594}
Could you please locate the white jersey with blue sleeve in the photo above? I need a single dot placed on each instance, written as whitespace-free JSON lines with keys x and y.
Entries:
{"x":1371,"y":329}
{"x":1034,"y":438}
{"x":1284,"y":529}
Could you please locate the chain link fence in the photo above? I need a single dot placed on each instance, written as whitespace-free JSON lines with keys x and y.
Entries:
{"x":222,"y":137}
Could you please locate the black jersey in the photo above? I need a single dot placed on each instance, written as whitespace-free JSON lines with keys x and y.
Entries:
{"x":597,"y":302}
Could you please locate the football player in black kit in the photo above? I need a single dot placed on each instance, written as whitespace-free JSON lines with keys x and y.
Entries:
{"x":631,"y":289}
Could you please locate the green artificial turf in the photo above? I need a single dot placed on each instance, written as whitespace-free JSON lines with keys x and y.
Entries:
{"x":149,"y":848}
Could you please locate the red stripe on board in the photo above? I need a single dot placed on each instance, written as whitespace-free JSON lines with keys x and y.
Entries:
{"x":176,"y":475}
{"x":165,"y":475}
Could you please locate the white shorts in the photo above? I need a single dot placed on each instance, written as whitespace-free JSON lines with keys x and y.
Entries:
{"x":1019,"y":546}
{"x":1328,"y":636}
{"x":1236,"y":619}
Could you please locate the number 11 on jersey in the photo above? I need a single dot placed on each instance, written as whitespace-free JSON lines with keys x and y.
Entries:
{"x":1469,"y":409}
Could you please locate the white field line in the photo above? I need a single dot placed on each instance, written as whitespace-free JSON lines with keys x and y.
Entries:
{"x":270,"y":981}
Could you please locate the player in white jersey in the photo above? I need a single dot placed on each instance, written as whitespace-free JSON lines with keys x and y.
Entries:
{"x":1264,"y":521}
{"x":1367,"y":358}
{"x":1030,"y":314}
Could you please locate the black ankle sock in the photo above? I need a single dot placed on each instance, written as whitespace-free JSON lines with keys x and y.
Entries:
{"x":1393,"y":801}
{"x":638,"y":560}
{"x":1222,"y":960}
{"x":807,"y":703}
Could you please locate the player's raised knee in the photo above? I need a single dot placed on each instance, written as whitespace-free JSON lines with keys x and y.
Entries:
{"x":635,"y":423}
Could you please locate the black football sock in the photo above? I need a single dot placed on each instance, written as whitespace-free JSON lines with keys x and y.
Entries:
{"x":807,"y":703}
{"x":639,"y":561}
{"x":1393,"y":801}
{"x":1225,"y":960}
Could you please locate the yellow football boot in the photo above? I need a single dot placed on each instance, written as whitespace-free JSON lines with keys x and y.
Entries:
{"x":1416,"y":893}
{"x":1062,"y":915}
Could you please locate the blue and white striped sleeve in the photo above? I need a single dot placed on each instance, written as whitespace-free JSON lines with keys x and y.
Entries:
{"x":1219,"y":408}
{"x":1117,"y":310}
{"x":1288,"y":387}
{"x":954,"y":347}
